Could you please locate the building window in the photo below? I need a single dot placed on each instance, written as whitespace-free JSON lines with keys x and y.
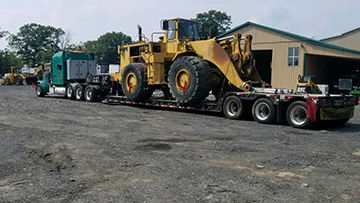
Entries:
{"x":293,"y":59}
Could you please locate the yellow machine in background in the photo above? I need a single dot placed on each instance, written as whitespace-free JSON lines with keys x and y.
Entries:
{"x":306,"y":84}
{"x":187,"y":67}
{"x":17,"y":77}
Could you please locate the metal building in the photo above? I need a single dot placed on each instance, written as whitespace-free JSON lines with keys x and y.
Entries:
{"x":282,"y":56}
{"x":350,"y":40}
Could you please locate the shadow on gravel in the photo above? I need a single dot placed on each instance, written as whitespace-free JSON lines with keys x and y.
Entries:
{"x":153,"y":146}
{"x":346,"y":128}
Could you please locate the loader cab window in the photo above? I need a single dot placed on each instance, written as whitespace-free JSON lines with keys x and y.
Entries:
{"x":171,"y":32}
{"x":188,"y":30}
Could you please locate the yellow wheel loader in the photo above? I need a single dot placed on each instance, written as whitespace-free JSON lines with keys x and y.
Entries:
{"x":17,"y":77}
{"x":14,"y":77}
{"x":185,"y":66}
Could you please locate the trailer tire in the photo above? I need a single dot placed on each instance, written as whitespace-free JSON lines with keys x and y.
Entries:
{"x":79,"y":93}
{"x":132,"y":82}
{"x":189,"y":79}
{"x":296,"y":115}
{"x":39,"y":90}
{"x":233,"y":107}
{"x":70,"y":93}
{"x":18,"y":81}
{"x":90,"y":93}
{"x":263,"y":111}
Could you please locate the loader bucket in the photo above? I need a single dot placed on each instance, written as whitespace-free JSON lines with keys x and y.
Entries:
{"x":31,"y":80}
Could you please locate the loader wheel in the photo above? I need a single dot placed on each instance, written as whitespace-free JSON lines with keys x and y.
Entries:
{"x":79,"y":93}
{"x":18,"y":81}
{"x":39,"y":90}
{"x":70,"y":92}
{"x":233,"y":107}
{"x":90,"y":93}
{"x":296,"y":115}
{"x":132,"y":82}
{"x":263,"y":111}
{"x":189,"y":79}
{"x":7,"y":81}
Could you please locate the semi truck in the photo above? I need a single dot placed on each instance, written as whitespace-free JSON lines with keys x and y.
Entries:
{"x":74,"y":75}
{"x":183,"y":71}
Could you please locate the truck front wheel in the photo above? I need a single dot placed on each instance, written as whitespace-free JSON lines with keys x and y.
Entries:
{"x":39,"y":90}
{"x":296,"y":115}
{"x":233,"y":107}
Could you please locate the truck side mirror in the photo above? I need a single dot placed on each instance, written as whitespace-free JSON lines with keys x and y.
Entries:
{"x":164,"y":25}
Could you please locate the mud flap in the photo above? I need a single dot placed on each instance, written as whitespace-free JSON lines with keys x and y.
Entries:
{"x":336,"y":113}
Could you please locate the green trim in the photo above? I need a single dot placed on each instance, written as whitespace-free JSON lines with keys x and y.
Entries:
{"x":304,"y":65}
{"x":301,"y":38}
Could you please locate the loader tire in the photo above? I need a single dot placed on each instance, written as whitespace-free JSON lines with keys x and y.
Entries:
{"x":189,"y":79}
{"x":39,"y":90}
{"x":18,"y":81}
{"x":132,"y":82}
{"x":90,"y":93}
{"x":79,"y":93}
{"x":7,"y":81}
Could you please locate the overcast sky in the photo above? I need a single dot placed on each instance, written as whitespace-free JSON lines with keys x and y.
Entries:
{"x":88,"y":19}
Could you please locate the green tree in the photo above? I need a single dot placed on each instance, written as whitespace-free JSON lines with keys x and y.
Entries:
{"x":212,"y":23}
{"x":3,"y":33}
{"x":33,"y":40}
{"x":105,"y":47}
{"x":8,"y":59}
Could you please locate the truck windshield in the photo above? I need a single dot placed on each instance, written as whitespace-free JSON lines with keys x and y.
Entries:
{"x":188,"y":29}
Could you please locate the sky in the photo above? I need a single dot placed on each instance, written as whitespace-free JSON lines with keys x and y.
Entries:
{"x":89,"y":19}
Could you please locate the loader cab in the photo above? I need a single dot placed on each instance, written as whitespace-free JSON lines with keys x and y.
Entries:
{"x":180,"y":30}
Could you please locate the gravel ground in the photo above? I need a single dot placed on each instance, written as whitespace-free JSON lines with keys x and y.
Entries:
{"x":57,"y":150}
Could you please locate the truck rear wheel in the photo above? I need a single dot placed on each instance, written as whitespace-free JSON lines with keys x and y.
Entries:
{"x":233,"y":107}
{"x":189,"y":79}
{"x":263,"y":111}
{"x":296,"y":115}
{"x":79,"y":93}
{"x":132,"y":82}
{"x":39,"y":90}
{"x":18,"y":81}
{"x":70,"y":92}
{"x":90,"y":93}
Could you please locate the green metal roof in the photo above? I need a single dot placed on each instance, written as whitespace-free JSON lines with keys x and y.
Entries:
{"x":301,"y":38}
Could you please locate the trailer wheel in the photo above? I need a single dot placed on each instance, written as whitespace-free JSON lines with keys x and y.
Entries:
{"x":79,"y":93}
{"x":233,"y":107}
{"x":132,"y":82}
{"x":18,"y":81}
{"x":296,"y":115}
{"x":39,"y":90}
{"x":7,"y":81}
{"x":90,"y":93}
{"x":263,"y":111}
{"x":189,"y":79}
{"x":70,"y":92}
